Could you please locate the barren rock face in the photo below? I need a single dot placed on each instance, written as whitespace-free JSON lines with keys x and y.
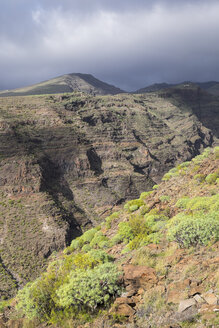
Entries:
{"x":67,"y":160}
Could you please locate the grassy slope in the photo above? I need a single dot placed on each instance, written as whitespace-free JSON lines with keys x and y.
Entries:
{"x":131,"y":234}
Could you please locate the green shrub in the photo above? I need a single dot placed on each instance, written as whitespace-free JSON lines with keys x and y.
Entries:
{"x":39,"y":299}
{"x":91,"y":288}
{"x":35,"y":300}
{"x":116,"y":239}
{"x":89,"y":235}
{"x":144,"y":209}
{"x":155,"y":221}
{"x":211,"y":178}
{"x":199,"y":203}
{"x":86,"y":248}
{"x":155,"y":187}
{"x":193,"y":230}
{"x":84,"y":261}
{"x":138,"y":225}
{"x":135,"y":202}
{"x":182,"y":202}
{"x":216,"y":152}
{"x":133,"y":208}
{"x":154,"y":238}
{"x":98,"y":239}
{"x":184,"y":164}
{"x":3,"y":305}
{"x":125,"y":232}
{"x":167,"y":177}
{"x":198,"y":159}
{"x":139,"y":241}
{"x":164,"y":198}
{"x":100,"y":256}
{"x":75,"y":244}
{"x":200,"y":177}
{"x":144,"y":195}
{"x":110,"y":218}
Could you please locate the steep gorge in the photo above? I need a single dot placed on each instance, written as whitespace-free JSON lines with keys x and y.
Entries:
{"x":67,"y":160}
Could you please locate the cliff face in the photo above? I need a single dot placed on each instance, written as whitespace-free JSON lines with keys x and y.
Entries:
{"x":67,"y":160}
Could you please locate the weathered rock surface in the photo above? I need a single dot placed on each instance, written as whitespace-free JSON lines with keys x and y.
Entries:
{"x":185,"y":304}
{"x":138,"y":276}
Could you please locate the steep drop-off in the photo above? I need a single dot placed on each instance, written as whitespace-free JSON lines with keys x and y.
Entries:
{"x":67,"y":160}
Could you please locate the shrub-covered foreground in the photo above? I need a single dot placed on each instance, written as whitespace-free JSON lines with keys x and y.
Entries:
{"x":85,"y":278}
{"x":74,"y":284}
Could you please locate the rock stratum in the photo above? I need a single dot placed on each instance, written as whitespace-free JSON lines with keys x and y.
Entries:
{"x":67,"y":161}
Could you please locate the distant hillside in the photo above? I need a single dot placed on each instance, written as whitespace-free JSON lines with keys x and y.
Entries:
{"x":211,"y":87}
{"x":66,"y":83}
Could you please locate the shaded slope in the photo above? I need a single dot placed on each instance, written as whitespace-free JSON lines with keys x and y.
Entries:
{"x":212,"y":87}
{"x":204,"y":105}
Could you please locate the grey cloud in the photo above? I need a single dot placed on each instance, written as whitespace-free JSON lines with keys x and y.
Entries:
{"x":127,"y":43}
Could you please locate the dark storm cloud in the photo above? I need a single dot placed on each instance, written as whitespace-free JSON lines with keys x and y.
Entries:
{"x":128,"y":43}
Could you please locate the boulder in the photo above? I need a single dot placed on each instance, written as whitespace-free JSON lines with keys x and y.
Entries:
{"x":123,"y":310}
{"x":185,"y":304}
{"x":198,"y":299}
{"x":139,"y":276}
{"x":178,"y":291}
{"x":210,"y":298}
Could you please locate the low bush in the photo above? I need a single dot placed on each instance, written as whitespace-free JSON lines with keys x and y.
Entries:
{"x":91,"y":288}
{"x":133,"y":205}
{"x":193,"y":230}
{"x":200,"y":177}
{"x":144,"y":195}
{"x":199,"y":203}
{"x":198,"y":159}
{"x":110,"y":218}
{"x":212,"y":178}
{"x":216,"y":152}
{"x":39,"y":299}
{"x":89,"y":235}
{"x":164,"y":198}
{"x":99,"y":240}
{"x":35,"y":300}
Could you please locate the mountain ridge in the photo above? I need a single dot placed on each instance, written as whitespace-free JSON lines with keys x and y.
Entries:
{"x":66,"y":83}
{"x":81,"y":82}
{"x":211,"y":87}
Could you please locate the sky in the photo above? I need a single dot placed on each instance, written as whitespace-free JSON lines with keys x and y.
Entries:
{"x":128,"y":43}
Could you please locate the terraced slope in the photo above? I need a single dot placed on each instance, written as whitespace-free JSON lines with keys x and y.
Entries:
{"x":67,"y":160}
